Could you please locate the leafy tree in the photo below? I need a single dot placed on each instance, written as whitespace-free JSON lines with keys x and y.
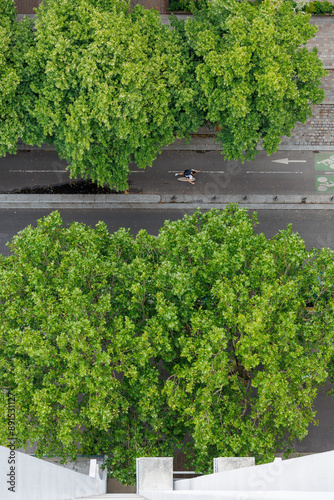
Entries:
{"x":113,"y":88}
{"x":16,"y":97}
{"x":74,"y":345}
{"x":131,"y":346}
{"x":256,"y":76}
{"x":246,"y":356}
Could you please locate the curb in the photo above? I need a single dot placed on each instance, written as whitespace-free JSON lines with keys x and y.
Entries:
{"x":160,"y":202}
{"x":76,"y":201}
{"x":253,"y":199}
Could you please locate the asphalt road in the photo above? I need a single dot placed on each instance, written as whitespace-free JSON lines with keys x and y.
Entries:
{"x":286,"y":172}
{"x":315,"y":227}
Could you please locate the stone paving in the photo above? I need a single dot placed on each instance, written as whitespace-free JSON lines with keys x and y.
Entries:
{"x":328,"y":86}
{"x":324,"y":39}
{"x":319,"y":129}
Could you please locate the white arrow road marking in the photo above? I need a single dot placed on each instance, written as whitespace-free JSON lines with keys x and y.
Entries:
{"x":286,"y":161}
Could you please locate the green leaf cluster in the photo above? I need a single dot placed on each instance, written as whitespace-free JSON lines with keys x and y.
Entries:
{"x":187,"y":5}
{"x":110,"y":86}
{"x":75,"y":344}
{"x":319,"y":8}
{"x":131,"y":346}
{"x":113,"y":88}
{"x":16,"y":98}
{"x":257,"y":77}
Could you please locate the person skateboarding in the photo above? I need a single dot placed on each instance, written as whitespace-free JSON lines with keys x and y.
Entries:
{"x":188,"y":175}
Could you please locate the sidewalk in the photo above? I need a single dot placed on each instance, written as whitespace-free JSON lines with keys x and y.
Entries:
{"x":318,"y":131}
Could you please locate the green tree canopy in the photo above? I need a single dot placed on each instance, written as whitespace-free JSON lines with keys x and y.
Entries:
{"x":199,"y":338}
{"x":16,"y":97}
{"x":257,"y":78}
{"x":112,"y":88}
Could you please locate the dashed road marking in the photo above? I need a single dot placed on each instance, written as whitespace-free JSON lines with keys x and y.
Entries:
{"x":56,"y":171}
{"x":270,"y":172}
{"x":41,"y":171}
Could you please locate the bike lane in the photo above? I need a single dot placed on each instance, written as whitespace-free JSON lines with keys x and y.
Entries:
{"x":324,"y":168}
{"x":282,"y":174}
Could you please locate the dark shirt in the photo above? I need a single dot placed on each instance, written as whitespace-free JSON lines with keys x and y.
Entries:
{"x":188,"y":172}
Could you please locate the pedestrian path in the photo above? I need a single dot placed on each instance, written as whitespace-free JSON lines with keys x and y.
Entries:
{"x":318,"y":131}
{"x":324,"y":39}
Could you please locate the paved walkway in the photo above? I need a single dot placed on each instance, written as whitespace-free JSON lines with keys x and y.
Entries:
{"x":319,"y":129}
{"x":324,"y":40}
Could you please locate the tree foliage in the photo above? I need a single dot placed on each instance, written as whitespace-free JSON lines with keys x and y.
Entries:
{"x":256,"y":75}
{"x":199,"y":338}
{"x":112,"y":87}
{"x":248,"y":355}
{"x":16,"y":97}
{"x":75,"y":345}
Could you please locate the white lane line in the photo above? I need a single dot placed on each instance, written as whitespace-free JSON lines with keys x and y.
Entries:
{"x":270,"y":172}
{"x":41,"y":171}
{"x":247,"y":172}
{"x":56,"y":171}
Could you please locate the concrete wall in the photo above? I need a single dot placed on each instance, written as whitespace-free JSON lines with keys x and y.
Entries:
{"x":154,"y":473}
{"x":223,"y":464}
{"x":310,"y":473}
{"x":306,"y":478}
{"x":81,"y":464}
{"x":237,"y":495}
{"x":35,"y":479}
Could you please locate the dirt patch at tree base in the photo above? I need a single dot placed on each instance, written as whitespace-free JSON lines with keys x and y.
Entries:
{"x":76,"y":187}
